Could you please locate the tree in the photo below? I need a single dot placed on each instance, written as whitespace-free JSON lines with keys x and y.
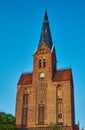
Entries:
{"x":7,"y":121}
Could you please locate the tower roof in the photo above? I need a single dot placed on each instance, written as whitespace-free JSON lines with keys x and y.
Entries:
{"x":45,"y":32}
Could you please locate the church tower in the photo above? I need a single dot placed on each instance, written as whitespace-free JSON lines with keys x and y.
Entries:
{"x":45,"y":96}
{"x":45,"y":57}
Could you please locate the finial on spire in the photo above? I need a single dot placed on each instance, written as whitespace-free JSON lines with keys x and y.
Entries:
{"x":46,"y":16}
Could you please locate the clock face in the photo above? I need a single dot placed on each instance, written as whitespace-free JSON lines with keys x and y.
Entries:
{"x":42,"y":75}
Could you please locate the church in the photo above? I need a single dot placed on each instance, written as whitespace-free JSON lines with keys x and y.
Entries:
{"x":45,"y":96}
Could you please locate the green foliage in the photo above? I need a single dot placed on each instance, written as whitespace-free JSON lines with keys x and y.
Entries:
{"x":54,"y":125}
{"x":7,"y":121}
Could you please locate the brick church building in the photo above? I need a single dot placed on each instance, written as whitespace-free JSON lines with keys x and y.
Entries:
{"x":45,"y":96}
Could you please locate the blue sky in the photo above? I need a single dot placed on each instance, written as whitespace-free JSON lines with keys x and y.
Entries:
{"x":20,"y":28}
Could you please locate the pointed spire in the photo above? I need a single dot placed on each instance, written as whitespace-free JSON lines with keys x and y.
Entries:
{"x":45,"y":17}
{"x":45,"y":33}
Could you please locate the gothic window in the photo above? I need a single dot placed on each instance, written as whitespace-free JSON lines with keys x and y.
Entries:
{"x":59,"y":104}
{"x":25,"y":99}
{"x":60,"y":107}
{"x":24,"y":117}
{"x":59,"y":114}
{"x":44,"y":63}
{"x":41,"y":114}
{"x":40,"y":63}
{"x":59,"y":92}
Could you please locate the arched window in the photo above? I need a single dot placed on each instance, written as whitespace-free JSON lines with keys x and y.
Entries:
{"x":40,"y":63}
{"x":59,"y":92}
{"x":25,"y":97}
{"x":44,"y":63}
{"x":60,"y":112}
{"x":59,"y":105}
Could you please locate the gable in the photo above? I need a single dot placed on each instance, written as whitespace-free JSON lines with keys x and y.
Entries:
{"x":43,"y":48}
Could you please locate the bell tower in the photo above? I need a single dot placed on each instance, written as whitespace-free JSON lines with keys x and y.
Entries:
{"x":44,"y":57}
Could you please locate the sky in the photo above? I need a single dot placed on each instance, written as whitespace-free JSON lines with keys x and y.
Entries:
{"x":20,"y":28}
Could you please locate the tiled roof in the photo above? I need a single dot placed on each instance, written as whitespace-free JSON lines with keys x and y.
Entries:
{"x":62,"y":75}
{"x":25,"y":79}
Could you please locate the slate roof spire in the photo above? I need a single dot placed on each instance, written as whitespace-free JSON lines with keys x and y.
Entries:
{"x":45,"y":32}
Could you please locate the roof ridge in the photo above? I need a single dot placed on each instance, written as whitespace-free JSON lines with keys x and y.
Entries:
{"x":26,"y":73}
{"x":66,"y":68}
